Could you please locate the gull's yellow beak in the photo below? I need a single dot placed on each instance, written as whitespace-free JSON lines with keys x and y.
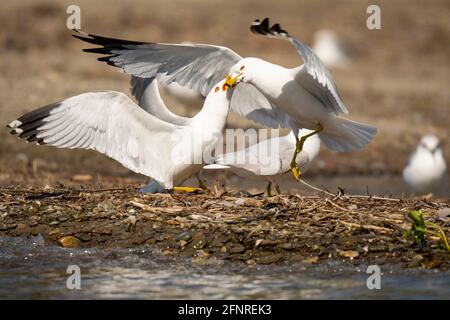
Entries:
{"x":229,"y":81}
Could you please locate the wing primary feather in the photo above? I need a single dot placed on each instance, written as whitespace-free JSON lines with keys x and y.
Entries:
{"x":263,"y":28}
{"x":313,"y":66}
{"x":105,"y":41}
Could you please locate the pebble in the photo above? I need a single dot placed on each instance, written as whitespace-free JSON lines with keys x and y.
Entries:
{"x":269,"y":259}
{"x":183,"y":243}
{"x":416,"y":261}
{"x":81,"y":177}
{"x":352,"y":254}
{"x":130,"y":220}
{"x":237,"y":249}
{"x":69,"y":242}
{"x":311,"y":260}
{"x":186,"y":236}
{"x":251,"y":262}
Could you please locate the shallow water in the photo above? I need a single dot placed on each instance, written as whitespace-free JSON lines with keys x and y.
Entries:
{"x":29,"y":269}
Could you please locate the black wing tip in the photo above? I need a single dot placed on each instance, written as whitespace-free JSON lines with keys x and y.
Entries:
{"x":104,"y":41}
{"x":27,"y":126}
{"x":79,"y":34}
{"x":263,"y":28}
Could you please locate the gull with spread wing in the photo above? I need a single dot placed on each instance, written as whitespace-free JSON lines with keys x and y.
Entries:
{"x":112,"y":124}
{"x":306,"y":94}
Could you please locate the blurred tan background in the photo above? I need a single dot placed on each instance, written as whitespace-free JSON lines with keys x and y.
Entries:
{"x":399,"y":79}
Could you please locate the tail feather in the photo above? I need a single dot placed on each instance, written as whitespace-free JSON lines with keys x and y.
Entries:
{"x":350,"y":135}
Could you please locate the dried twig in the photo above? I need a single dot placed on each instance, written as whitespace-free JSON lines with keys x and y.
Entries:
{"x":357,"y":196}
{"x":315,"y":188}
{"x":148,"y":208}
{"x":336,"y":205}
{"x":365,"y":226}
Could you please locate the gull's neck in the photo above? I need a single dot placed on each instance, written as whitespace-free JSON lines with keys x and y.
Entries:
{"x":269,"y":78}
{"x":215,"y":108}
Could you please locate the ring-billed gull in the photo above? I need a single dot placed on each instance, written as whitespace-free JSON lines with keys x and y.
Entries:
{"x":111,"y":123}
{"x":426,"y":170}
{"x":278,"y":165}
{"x":307,"y":94}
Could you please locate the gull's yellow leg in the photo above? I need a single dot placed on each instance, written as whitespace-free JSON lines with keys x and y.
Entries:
{"x":294,"y":168}
{"x":187,"y":189}
{"x":298,"y":148}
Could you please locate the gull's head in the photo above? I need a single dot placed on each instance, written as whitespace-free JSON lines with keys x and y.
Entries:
{"x":241,"y":71}
{"x":429,"y":143}
{"x":221,"y":89}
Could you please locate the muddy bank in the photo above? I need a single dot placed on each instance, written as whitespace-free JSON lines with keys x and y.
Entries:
{"x":237,"y":227}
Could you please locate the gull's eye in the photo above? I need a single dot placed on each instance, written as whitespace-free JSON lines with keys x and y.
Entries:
{"x":216,"y":89}
{"x":242,"y":68}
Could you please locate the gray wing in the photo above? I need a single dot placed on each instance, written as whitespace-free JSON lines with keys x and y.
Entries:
{"x":196,"y":66}
{"x":313,"y":75}
{"x":249,"y":102}
{"x":108,"y":122}
{"x":146,"y":92}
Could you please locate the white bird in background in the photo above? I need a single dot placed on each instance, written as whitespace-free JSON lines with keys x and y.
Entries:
{"x":111,"y":123}
{"x":330,"y":50}
{"x":279,"y":165}
{"x":302,"y":97}
{"x":426,"y":170}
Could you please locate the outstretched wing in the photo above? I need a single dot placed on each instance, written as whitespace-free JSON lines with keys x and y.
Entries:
{"x":196,"y":66}
{"x":313,"y":75}
{"x":249,"y":102}
{"x":108,"y":122}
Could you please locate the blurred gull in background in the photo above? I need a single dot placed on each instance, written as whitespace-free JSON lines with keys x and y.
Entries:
{"x":426,"y":170}
{"x":330,"y":50}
